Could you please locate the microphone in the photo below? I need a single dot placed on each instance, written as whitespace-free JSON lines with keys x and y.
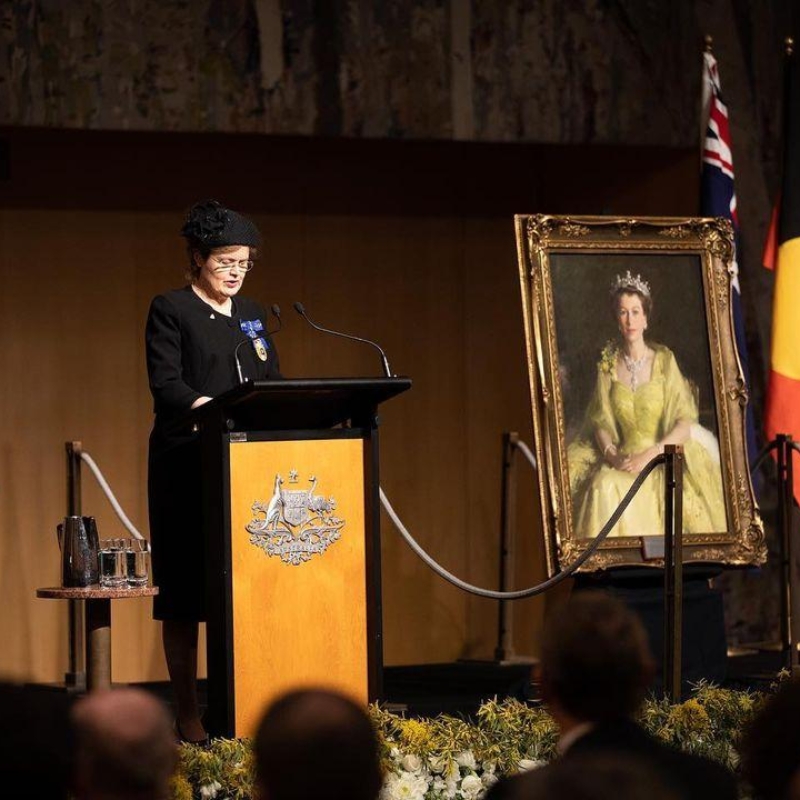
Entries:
{"x":298,"y":307}
{"x":242,"y":379}
{"x":276,"y":312}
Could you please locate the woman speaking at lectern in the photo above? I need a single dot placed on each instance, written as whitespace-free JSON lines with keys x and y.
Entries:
{"x":202,"y":340}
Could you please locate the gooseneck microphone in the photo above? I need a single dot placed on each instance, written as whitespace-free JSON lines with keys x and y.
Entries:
{"x":276,"y":312}
{"x":298,"y":307}
{"x":242,"y":379}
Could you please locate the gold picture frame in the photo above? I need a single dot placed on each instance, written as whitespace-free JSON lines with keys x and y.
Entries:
{"x":571,"y":270}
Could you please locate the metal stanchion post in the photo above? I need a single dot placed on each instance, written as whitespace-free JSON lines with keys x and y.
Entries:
{"x":673,"y":570}
{"x":784,"y":523}
{"x":75,"y":678}
{"x":505,"y":644}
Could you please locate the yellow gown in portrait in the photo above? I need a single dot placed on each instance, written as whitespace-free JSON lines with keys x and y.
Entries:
{"x":636,"y":420}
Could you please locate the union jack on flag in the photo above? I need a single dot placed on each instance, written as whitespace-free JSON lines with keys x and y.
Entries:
{"x":718,"y":199}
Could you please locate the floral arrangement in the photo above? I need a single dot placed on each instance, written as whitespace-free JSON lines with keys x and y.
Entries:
{"x":205,"y":221}
{"x":447,"y":757}
{"x":608,"y":358}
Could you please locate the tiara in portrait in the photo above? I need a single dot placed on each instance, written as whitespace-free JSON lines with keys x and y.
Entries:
{"x":628,"y":281}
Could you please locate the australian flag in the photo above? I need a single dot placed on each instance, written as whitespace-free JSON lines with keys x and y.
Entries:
{"x":718,"y":199}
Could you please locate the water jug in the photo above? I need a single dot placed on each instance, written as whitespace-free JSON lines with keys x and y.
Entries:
{"x":80,"y":543}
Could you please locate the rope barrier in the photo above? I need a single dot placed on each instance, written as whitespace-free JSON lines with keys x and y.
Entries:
{"x":767,"y":449}
{"x":123,"y":517}
{"x":545,"y":585}
{"x":418,"y":549}
{"x":526,"y":451}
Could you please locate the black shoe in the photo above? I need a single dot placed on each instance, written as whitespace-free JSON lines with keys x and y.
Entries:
{"x":205,"y":743}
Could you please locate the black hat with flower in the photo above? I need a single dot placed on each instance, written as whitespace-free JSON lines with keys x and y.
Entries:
{"x":209,"y":224}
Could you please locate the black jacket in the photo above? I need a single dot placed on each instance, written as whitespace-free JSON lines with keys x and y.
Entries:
{"x":690,"y":777}
{"x":190,"y":350}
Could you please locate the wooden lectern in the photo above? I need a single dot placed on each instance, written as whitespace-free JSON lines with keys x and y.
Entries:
{"x":291,"y":528}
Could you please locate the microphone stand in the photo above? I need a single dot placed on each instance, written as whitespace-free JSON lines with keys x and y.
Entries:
{"x":298,"y":307}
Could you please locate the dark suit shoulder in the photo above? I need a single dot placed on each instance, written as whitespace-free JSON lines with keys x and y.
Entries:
{"x":694,"y":777}
{"x":250,"y":309}
{"x":185,"y":300}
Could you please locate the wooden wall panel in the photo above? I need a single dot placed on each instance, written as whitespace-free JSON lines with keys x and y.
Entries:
{"x":73,"y":357}
{"x":423,"y":263}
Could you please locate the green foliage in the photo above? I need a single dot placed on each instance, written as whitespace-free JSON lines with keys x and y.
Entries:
{"x":709,"y":724}
{"x":448,"y":756}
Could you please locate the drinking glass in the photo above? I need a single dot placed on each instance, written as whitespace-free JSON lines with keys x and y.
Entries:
{"x":113,"y":564}
{"x":138,"y":557}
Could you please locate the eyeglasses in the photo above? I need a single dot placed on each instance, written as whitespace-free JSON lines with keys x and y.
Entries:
{"x":227,"y":264}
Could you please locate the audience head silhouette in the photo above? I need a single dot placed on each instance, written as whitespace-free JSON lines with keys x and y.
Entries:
{"x":770,"y":747}
{"x":36,"y":742}
{"x":316,"y":743}
{"x":125,"y":746}
{"x":596,"y":662}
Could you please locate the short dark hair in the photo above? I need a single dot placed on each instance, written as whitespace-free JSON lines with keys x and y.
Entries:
{"x":596,"y":661}
{"x":646,"y":300}
{"x":770,"y":747}
{"x":316,"y":742}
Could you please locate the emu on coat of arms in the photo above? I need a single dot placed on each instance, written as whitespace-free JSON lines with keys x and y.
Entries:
{"x":297,"y":523}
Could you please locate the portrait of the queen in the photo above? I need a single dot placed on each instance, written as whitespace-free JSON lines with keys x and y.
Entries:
{"x":640,"y":401}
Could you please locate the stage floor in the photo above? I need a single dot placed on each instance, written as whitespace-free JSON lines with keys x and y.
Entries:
{"x":459,"y":688}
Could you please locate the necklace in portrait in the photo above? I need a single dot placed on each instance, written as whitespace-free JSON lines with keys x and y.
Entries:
{"x":634,"y":366}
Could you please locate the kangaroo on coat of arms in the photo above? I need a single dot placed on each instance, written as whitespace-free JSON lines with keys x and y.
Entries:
{"x":297,"y":523}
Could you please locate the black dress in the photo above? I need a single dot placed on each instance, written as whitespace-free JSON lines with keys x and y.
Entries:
{"x":190,"y":353}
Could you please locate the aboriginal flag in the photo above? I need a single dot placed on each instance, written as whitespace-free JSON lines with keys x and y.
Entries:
{"x":782,"y":254}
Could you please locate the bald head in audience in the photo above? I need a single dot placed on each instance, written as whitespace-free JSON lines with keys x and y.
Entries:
{"x":316,"y":743}
{"x":125,"y":746}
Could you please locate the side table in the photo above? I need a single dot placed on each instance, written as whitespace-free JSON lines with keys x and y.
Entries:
{"x":98,"y":624}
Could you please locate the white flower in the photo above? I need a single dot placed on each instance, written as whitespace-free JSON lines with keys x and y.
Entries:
{"x":527,"y":764}
{"x":436,"y":763}
{"x":451,"y":771}
{"x":471,"y":787}
{"x":445,"y":788}
{"x":395,"y":754}
{"x":490,"y":767}
{"x":405,"y":786}
{"x":411,"y":763}
{"x":467,"y":760}
{"x":209,"y":790}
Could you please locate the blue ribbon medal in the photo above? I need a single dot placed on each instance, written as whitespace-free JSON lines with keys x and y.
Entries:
{"x":251,"y":328}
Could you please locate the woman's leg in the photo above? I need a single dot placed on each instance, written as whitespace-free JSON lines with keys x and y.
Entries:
{"x":180,"y":649}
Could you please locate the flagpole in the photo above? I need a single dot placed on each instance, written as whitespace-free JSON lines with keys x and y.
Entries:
{"x":705,"y":95}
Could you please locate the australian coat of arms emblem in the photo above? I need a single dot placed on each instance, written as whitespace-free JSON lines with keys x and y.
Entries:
{"x":296,"y":524}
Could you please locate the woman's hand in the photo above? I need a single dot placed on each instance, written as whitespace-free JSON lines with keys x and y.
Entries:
{"x":638,"y":461}
{"x":615,"y":459}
